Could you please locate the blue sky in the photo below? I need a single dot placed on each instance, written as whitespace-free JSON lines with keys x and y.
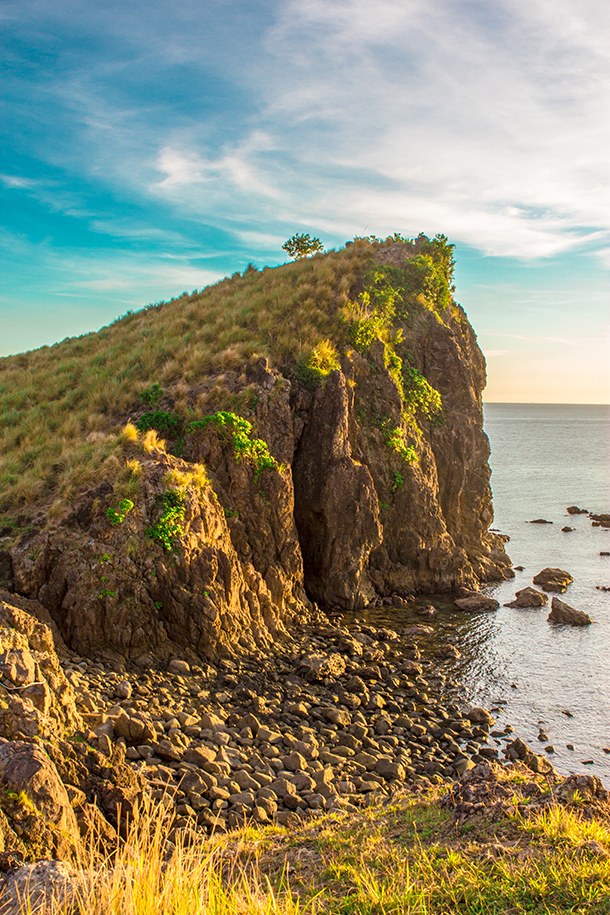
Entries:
{"x":151,"y":148}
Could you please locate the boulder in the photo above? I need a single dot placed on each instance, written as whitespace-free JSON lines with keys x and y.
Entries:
{"x":553,"y":580}
{"x":575,"y":510}
{"x":389,"y":769}
{"x":528,"y":597}
{"x":30,"y":779}
{"x":564,"y":614}
{"x":475,"y":602}
{"x":517,"y":749}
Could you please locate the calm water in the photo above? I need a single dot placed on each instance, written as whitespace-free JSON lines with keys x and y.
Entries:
{"x":544,"y":458}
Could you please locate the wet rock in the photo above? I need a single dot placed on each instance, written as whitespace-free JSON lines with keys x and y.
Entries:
{"x":566,"y":529}
{"x":575,"y":510}
{"x":602,"y":520}
{"x":447,"y":652}
{"x":528,"y":598}
{"x":476,"y":602}
{"x":564,"y":614}
{"x":553,"y":580}
{"x":540,"y":521}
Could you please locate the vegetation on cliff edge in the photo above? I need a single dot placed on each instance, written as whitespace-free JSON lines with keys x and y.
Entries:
{"x":61,"y":407}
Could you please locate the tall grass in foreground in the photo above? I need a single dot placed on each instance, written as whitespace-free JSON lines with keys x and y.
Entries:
{"x":403,"y":858}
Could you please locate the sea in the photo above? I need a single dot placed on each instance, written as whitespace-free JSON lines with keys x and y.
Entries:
{"x":540,"y":678}
{"x":544,"y":458}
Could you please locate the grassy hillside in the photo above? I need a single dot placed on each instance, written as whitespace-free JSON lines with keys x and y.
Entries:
{"x":62,"y":407}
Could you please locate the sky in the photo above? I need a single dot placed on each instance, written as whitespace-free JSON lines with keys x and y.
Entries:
{"x":150,"y":148}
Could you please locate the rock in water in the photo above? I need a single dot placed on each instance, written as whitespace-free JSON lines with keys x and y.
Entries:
{"x":568,"y":616}
{"x":575,"y":510}
{"x":476,"y":602}
{"x":553,"y":580}
{"x":528,"y":597}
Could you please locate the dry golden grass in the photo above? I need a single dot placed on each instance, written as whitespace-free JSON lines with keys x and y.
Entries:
{"x":60,"y":406}
{"x":404,"y":857}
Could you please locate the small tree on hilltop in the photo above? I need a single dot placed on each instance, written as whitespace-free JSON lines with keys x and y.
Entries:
{"x":302,"y":245}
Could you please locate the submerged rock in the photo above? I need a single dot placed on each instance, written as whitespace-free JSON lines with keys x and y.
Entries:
{"x":566,"y":615}
{"x":476,"y":602}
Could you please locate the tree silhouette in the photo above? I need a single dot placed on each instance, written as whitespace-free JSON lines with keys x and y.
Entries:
{"x":302,"y":245}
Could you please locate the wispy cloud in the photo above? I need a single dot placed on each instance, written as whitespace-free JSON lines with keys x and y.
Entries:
{"x":153,"y":147}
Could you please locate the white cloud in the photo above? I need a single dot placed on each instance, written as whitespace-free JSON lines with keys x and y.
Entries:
{"x":488,"y":122}
{"x":14,"y":181}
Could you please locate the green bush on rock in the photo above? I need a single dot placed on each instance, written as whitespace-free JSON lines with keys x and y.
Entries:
{"x":239,"y":431}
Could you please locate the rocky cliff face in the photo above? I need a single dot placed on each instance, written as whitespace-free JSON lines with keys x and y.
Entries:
{"x":363,"y":500}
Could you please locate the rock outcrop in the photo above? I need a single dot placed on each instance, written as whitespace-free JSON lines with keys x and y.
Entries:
{"x":365,"y":498}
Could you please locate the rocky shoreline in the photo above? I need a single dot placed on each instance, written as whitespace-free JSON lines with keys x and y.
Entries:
{"x":337,"y":717}
{"x":329,"y":719}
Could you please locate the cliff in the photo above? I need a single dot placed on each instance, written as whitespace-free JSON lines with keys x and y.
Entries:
{"x":341,"y":464}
